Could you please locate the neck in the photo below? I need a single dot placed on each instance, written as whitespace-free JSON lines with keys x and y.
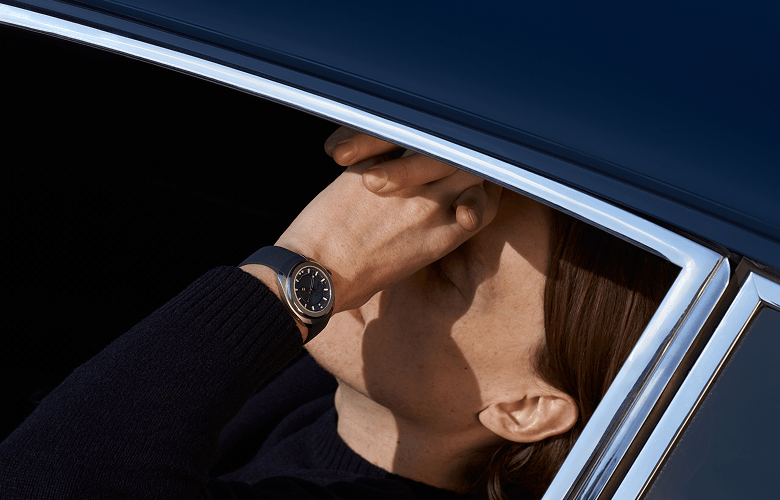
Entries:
{"x":404,"y":447}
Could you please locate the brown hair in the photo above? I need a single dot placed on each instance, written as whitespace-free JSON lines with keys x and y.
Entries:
{"x":599,"y":296}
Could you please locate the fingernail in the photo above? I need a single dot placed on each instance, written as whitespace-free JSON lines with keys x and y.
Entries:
{"x":375,"y":178}
{"x":474,"y":217}
{"x":329,"y":147}
{"x":347,"y":151}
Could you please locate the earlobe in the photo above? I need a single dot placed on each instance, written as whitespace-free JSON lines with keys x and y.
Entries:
{"x":532,"y":418}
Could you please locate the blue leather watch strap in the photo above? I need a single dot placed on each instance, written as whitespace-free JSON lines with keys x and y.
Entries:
{"x":279,"y":259}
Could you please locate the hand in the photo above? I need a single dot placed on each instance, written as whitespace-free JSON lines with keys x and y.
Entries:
{"x":389,"y":175}
{"x":349,"y":147}
{"x":371,"y":241}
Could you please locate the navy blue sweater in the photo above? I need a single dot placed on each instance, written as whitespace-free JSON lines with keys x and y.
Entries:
{"x":172,"y":410}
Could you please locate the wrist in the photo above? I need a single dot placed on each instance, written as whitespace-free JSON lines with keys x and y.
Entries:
{"x":305,"y":287}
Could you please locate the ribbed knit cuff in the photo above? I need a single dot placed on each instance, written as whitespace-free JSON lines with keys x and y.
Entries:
{"x":234,"y":312}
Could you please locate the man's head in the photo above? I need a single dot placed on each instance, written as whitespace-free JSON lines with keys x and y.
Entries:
{"x":502,"y":348}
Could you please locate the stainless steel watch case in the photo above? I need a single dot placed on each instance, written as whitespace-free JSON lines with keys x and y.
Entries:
{"x":285,"y":290}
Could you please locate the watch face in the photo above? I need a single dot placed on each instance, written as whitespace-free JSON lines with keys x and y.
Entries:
{"x":311,"y":286}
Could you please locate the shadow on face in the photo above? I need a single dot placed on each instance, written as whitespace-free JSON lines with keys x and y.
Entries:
{"x":459,"y":334}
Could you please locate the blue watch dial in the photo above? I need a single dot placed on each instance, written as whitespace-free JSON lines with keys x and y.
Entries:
{"x":312,"y":288}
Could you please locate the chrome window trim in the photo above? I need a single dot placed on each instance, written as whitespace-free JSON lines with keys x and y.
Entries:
{"x":639,"y":383}
{"x":755,"y":293}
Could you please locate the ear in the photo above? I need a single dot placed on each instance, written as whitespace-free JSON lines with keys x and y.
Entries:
{"x":533,"y":418}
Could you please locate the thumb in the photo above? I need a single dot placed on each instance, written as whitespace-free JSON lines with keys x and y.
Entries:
{"x":477,"y":206}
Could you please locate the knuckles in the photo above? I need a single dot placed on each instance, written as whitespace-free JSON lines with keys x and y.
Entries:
{"x":422,"y":208}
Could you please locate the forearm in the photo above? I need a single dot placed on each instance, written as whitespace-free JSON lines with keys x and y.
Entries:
{"x":142,"y":418}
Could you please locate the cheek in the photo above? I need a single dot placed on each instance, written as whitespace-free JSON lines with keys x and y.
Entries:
{"x":485,"y":343}
{"x":414,"y":365}
{"x":499,"y":335}
{"x":499,"y":353}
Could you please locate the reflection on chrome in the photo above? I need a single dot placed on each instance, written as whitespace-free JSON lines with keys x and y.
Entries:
{"x":757,"y":291}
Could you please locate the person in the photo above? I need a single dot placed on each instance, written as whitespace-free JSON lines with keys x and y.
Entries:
{"x":473,"y":332}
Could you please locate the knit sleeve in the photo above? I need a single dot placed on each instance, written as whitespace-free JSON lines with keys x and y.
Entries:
{"x":142,"y":418}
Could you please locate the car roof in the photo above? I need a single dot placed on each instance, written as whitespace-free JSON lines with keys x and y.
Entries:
{"x":669,"y":109}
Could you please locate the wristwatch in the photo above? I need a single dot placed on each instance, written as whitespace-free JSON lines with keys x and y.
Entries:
{"x":306,"y":287}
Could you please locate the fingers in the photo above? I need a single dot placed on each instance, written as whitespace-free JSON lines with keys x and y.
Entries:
{"x":348,"y":147}
{"x":468,"y":208}
{"x":341,"y":134}
{"x":408,"y":171}
{"x":477,"y":206}
{"x":475,"y":200}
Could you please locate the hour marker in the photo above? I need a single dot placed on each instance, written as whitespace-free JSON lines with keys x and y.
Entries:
{"x":322,"y":280}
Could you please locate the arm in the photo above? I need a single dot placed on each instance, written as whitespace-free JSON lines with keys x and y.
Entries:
{"x":143,"y":417}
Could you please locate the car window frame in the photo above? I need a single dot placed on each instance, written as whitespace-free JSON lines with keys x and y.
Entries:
{"x":756,"y":293}
{"x":670,"y":333}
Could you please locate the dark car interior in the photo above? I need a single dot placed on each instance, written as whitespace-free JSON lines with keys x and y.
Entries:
{"x":125,"y":181}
